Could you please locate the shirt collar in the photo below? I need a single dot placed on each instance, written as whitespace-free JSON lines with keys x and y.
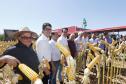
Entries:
{"x":63,"y":37}
{"x":53,"y":41}
{"x":44,"y":37}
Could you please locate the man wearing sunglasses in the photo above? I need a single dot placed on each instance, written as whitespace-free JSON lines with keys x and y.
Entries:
{"x":24,"y":52}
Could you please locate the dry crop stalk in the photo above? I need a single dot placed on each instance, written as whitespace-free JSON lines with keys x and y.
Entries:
{"x":71,"y":65}
{"x":86,"y":79}
{"x":98,"y":72}
{"x":114,"y":70}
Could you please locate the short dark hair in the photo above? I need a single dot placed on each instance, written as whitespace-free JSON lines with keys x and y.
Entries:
{"x":53,"y":33}
{"x":105,"y":33}
{"x":46,"y":24}
{"x":64,"y":29}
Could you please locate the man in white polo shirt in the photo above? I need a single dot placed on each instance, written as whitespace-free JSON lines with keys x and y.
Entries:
{"x":55,"y":56}
{"x":63,"y":40}
{"x":43,"y":49}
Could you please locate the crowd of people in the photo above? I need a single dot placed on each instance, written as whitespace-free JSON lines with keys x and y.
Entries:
{"x":23,"y":51}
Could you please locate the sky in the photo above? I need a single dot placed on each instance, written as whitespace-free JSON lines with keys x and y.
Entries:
{"x":15,"y":14}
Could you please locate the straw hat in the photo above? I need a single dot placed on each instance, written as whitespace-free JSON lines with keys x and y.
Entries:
{"x":24,"y":30}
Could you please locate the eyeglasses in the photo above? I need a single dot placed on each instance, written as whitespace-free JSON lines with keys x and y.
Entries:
{"x":49,"y":29}
{"x":26,"y":38}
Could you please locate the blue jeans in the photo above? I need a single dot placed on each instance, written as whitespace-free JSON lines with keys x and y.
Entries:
{"x":53,"y":75}
{"x":60,"y":72}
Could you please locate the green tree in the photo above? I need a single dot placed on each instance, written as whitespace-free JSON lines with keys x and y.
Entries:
{"x":2,"y":36}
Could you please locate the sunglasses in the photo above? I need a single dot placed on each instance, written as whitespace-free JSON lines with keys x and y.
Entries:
{"x":26,"y":38}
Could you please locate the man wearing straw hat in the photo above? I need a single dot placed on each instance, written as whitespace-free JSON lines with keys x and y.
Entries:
{"x":24,"y":52}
